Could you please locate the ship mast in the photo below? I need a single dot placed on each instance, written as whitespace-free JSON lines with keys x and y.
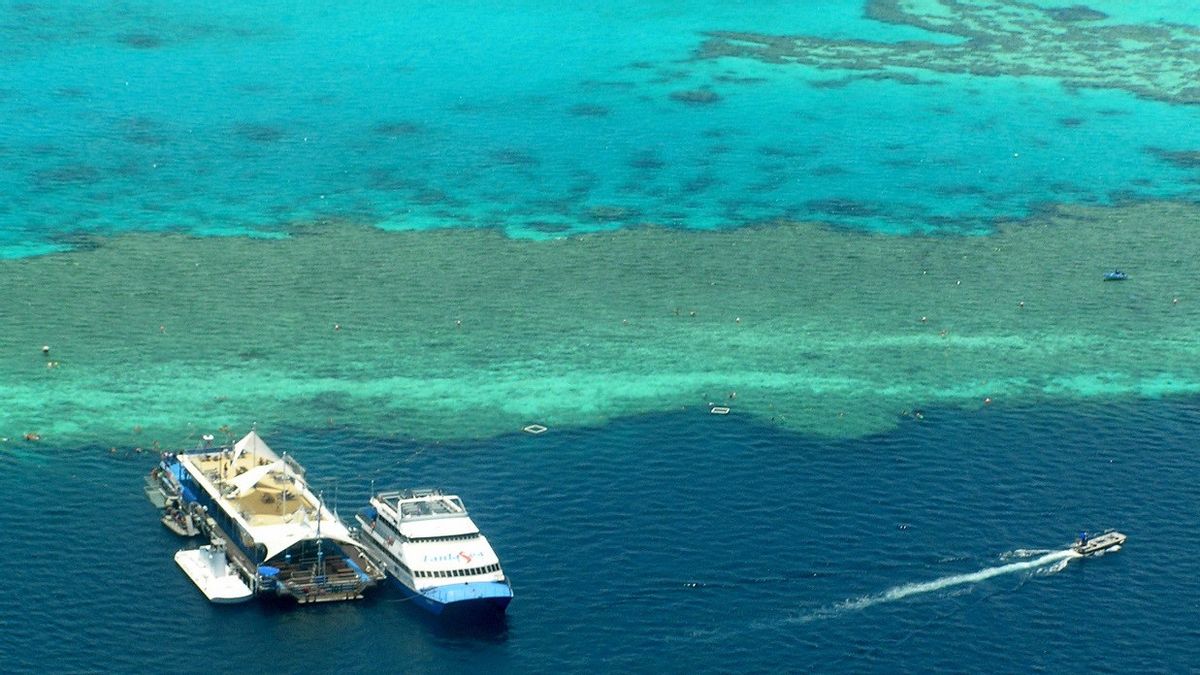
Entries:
{"x":320,"y":551}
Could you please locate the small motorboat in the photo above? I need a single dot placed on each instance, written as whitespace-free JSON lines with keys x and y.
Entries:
{"x":1115,"y":275}
{"x":1102,"y":543}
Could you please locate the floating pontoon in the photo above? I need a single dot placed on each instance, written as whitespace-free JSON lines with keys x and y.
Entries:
{"x":209,"y":568}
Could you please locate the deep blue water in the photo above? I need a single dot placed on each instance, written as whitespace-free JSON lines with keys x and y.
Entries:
{"x":676,"y":543}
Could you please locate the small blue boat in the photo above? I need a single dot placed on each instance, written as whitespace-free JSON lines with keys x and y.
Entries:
{"x":1115,"y":275}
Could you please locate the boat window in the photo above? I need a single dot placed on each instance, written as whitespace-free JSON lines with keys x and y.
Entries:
{"x":451,"y":537}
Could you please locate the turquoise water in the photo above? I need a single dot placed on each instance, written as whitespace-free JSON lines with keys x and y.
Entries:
{"x":540,"y":121}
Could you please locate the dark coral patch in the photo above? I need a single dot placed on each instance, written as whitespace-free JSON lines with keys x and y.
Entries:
{"x":668,"y":76}
{"x":960,"y":191}
{"x":737,"y":79}
{"x":830,"y":84}
{"x":842,"y":207}
{"x":513,"y":158}
{"x":548,"y":228}
{"x":430,"y":197}
{"x":997,"y":38}
{"x":259,"y":133}
{"x":775,"y":151}
{"x":701,"y":183}
{"x":140,"y":40}
{"x":77,"y":241}
{"x":388,"y":179}
{"x":588,"y":110}
{"x":143,"y":131}
{"x":1075,"y":13}
{"x":609,"y":214}
{"x":397,"y":129}
{"x":827,"y":170}
{"x":1184,"y":159}
{"x":646,"y":161}
{"x":607,"y":84}
{"x":66,"y":175}
{"x":696,"y":96}
{"x":1071,"y":121}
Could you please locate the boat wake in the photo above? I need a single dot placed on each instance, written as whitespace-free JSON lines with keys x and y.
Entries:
{"x":1022,"y":553}
{"x":1046,"y":563}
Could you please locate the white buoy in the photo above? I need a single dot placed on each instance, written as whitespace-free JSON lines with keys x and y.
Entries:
{"x":46,"y":349}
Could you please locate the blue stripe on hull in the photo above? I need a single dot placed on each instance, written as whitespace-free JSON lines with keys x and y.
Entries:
{"x":482,"y":596}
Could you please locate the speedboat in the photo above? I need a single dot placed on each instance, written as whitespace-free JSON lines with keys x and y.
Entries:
{"x":1115,"y":275}
{"x":1102,"y":543}
{"x":432,"y":549}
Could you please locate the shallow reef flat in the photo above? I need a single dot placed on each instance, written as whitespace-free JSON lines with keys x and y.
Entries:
{"x":466,"y":333}
{"x":1074,"y":45}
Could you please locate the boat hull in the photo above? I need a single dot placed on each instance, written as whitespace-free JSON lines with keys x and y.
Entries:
{"x":1104,"y":543}
{"x":485,"y":597}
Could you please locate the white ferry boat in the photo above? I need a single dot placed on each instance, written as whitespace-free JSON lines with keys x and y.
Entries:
{"x":282,"y":540}
{"x":433,"y":550}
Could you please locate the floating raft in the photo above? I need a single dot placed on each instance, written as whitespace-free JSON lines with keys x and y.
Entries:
{"x":718,"y":410}
{"x":156,"y":496}
{"x":535,"y":429}
{"x":209,"y":569}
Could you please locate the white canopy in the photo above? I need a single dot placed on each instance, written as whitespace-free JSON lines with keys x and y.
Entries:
{"x":246,"y":482}
{"x":280,"y":537}
{"x":253,"y":443}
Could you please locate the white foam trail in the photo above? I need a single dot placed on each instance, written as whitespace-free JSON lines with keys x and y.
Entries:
{"x":1058,"y":558}
{"x":1024,"y":553}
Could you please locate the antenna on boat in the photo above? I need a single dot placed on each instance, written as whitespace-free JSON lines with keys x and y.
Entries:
{"x":320,"y":551}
